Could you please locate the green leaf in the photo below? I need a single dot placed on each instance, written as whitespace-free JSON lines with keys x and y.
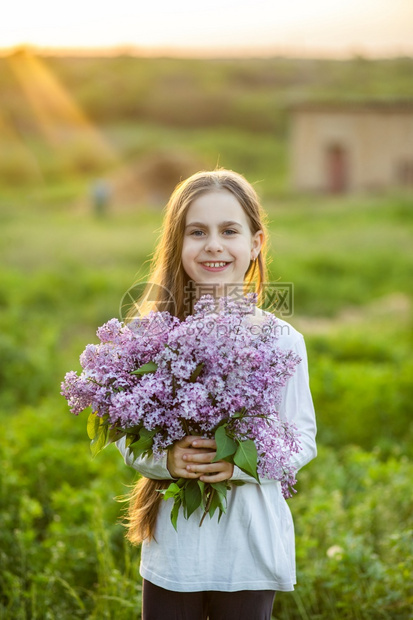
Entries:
{"x":196,"y":372}
{"x":202,"y":489}
{"x":173,"y":491}
{"x":99,"y":441}
{"x":246,"y":458}
{"x":133,"y":430}
{"x":145,"y":369}
{"x":143,"y":444}
{"x":175,"y":513}
{"x":93,"y":423}
{"x":115,"y":434}
{"x":192,"y":497}
{"x":220,"y":487}
{"x":130,"y":439}
{"x":226,"y":446}
{"x":219,"y":499}
{"x":239,"y":414}
{"x":214,"y":504}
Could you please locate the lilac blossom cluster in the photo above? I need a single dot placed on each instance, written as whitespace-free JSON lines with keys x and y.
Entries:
{"x":217,"y":366}
{"x":107,"y":366}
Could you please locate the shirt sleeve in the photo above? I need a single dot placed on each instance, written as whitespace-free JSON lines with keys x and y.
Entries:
{"x":296,"y":407}
{"x":147,"y":466}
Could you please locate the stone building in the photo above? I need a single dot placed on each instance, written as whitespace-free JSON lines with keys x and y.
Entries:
{"x":351,"y":147}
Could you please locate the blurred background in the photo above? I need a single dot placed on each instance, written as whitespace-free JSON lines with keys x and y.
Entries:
{"x":102,"y":113}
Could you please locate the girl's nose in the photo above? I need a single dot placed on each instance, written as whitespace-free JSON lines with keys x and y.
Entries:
{"x":213,"y":244}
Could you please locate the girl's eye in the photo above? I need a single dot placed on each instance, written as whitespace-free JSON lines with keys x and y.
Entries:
{"x":228,"y":230}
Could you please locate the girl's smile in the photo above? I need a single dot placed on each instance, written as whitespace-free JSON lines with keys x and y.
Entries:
{"x":215,"y":266}
{"x":218,"y":245}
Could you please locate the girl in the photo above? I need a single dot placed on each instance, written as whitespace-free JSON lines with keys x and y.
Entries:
{"x":213,"y":241}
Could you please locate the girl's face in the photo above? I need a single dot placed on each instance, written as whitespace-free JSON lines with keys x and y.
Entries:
{"x":218,"y":245}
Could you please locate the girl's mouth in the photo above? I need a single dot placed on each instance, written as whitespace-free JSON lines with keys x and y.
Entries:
{"x":215,"y":265}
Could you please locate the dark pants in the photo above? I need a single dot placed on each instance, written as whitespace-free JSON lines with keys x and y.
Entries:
{"x":160,"y":604}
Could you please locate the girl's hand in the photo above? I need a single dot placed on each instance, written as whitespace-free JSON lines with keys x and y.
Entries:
{"x":192,"y":457}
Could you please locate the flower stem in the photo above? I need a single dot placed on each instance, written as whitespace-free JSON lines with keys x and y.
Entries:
{"x":208,"y":506}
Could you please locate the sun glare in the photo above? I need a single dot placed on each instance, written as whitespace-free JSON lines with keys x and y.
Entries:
{"x":56,"y":113}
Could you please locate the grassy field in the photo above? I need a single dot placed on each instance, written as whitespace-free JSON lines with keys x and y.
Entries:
{"x":64,"y":271}
{"x":63,"y":553}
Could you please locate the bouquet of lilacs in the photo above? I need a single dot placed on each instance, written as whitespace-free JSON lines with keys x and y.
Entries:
{"x":216,"y":374}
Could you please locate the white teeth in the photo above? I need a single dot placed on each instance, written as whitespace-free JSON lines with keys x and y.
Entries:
{"x":214,"y":264}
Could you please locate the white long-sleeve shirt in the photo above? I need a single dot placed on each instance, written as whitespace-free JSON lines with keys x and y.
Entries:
{"x":253,"y":545}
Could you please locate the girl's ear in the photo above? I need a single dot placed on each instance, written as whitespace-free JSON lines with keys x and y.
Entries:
{"x":256,"y":243}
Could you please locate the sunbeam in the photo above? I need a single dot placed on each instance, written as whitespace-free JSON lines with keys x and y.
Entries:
{"x":58,"y":117}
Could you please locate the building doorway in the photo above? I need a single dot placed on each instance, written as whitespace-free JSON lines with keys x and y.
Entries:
{"x":337,"y":169}
{"x":405,"y":173}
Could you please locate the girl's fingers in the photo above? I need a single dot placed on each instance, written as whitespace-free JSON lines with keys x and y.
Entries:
{"x":214,"y":478}
{"x":206,"y":469}
{"x":188,"y":474}
{"x":187,"y":441}
{"x":199,"y":442}
{"x":220,"y":476}
{"x":196,"y":457}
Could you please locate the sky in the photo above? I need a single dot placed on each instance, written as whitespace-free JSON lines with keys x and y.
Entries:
{"x":291,"y":27}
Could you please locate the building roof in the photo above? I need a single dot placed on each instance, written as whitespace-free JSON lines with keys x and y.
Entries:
{"x":354,"y":106}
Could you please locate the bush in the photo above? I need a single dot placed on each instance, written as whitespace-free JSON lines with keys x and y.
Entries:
{"x":352,"y":516}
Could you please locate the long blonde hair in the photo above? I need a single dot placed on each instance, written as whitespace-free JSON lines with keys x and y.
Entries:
{"x":165,"y":289}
